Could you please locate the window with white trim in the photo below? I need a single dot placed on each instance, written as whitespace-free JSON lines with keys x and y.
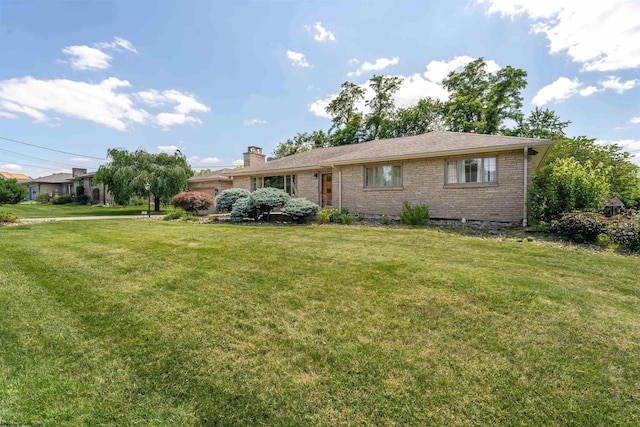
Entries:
{"x":478,"y":170}
{"x":383,"y":176}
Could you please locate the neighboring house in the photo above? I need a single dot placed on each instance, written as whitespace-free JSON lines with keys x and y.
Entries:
{"x":54,"y":185}
{"x":458,"y":175}
{"x":20,"y":177}
{"x":98,"y":193}
{"x":212,"y":183}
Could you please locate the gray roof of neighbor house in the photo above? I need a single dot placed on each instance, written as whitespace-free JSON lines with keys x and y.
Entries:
{"x":432,"y":144}
{"x":84,"y":175}
{"x":217,"y":175}
{"x":56,"y":178}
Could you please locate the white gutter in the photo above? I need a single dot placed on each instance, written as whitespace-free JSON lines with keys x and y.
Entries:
{"x":339,"y":187}
{"x":524,"y":205}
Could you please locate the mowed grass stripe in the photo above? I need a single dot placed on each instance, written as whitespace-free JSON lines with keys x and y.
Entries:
{"x":331,"y":325}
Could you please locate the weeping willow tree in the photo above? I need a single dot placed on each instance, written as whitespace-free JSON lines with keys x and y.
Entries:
{"x":127,"y":173}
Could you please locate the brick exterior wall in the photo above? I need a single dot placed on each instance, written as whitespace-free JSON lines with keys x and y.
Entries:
{"x":423,"y":181}
{"x":209,"y":187}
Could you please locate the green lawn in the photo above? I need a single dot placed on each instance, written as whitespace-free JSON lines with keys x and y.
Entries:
{"x":155,"y":323}
{"x":59,"y":211}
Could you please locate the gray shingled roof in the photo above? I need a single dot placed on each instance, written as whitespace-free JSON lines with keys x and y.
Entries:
{"x":432,"y":144}
{"x":56,"y":178}
{"x":217,"y":175}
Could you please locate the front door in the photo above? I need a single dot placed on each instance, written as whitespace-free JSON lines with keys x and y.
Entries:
{"x":327,"y":196}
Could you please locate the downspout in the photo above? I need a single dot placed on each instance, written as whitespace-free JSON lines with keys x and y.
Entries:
{"x":524,"y":202}
{"x":339,"y":187}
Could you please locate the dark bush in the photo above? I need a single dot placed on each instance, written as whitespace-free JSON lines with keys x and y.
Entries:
{"x":414,"y":215}
{"x":580,"y":226}
{"x":300,"y":209}
{"x":226,"y":199}
{"x":62,"y":200}
{"x":625,"y":231}
{"x":193,"y":201}
{"x":81,"y":199}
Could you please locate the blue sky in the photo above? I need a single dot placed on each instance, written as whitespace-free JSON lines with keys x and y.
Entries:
{"x":211,"y":78}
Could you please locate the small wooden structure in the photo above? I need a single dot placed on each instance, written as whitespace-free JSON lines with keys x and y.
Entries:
{"x":614,"y":206}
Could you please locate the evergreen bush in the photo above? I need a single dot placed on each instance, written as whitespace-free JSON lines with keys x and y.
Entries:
{"x":300,"y":209}
{"x":226,"y":199}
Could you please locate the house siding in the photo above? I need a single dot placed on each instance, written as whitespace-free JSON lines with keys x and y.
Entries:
{"x":209,"y":187}
{"x":424,"y":182}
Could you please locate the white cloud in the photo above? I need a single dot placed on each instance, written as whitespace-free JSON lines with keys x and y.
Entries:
{"x":321,"y":33}
{"x":106,"y":102}
{"x":589,"y":90}
{"x":201,"y":162}
{"x":11,"y":167}
{"x":558,"y":91}
{"x":118,"y":44}
{"x":319,"y":106}
{"x":439,"y":70}
{"x":379,"y":64}
{"x":166,"y":120}
{"x":238,"y":162}
{"x":635,"y":120}
{"x":8,"y":115}
{"x":616,"y":85}
{"x":353,"y":61}
{"x":254,"y":122}
{"x":94,"y":58}
{"x":600,"y":35}
{"x":87,"y":58}
{"x":210,"y":160}
{"x":81,"y":160}
{"x":169,"y":149}
{"x":297,"y":59}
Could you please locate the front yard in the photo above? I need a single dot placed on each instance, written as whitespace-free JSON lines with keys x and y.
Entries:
{"x":158,"y":323}
{"x":30,"y":210}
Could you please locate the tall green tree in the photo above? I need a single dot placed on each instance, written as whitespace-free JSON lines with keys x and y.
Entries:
{"x":480,"y":101}
{"x":342,"y":108}
{"x":622,"y":174}
{"x":426,"y":116}
{"x":127,"y":173}
{"x":300,"y":143}
{"x":539,"y":124}
{"x":379,"y":121}
{"x":11,"y":192}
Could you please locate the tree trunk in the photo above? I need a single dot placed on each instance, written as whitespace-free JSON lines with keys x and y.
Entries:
{"x":156,"y":203}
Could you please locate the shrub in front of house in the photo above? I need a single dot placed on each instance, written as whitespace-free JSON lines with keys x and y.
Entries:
{"x":226,"y":199}
{"x":580,"y":226}
{"x":177,"y":213}
{"x":81,"y":199}
{"x":625,"y":230}
{"x":414,"y":215}
{"x":241,"y":210}
{"x":327,"y":215}
{"x":11,"y":191}
{"x":264,"y":200}
{"x":62,"y":200}
{"x":300,"y":209}
{"x":193,"y":201}
{"x":42,"y":197}
{"x":344,"y":217}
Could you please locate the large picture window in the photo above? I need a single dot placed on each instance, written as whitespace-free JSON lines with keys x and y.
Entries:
{"x":478,"y":170}
{"x":284,"y":182}
{"x":383,"y":176}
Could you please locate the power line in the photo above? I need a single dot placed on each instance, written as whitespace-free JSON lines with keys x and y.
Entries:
{"x":31,"y":166}
{"x":51,"y":149}
{"x":35,"y":158}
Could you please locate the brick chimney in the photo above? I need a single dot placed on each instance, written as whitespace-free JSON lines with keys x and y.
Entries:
{"x":254,"y":156}
{"x":77,"y":171}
